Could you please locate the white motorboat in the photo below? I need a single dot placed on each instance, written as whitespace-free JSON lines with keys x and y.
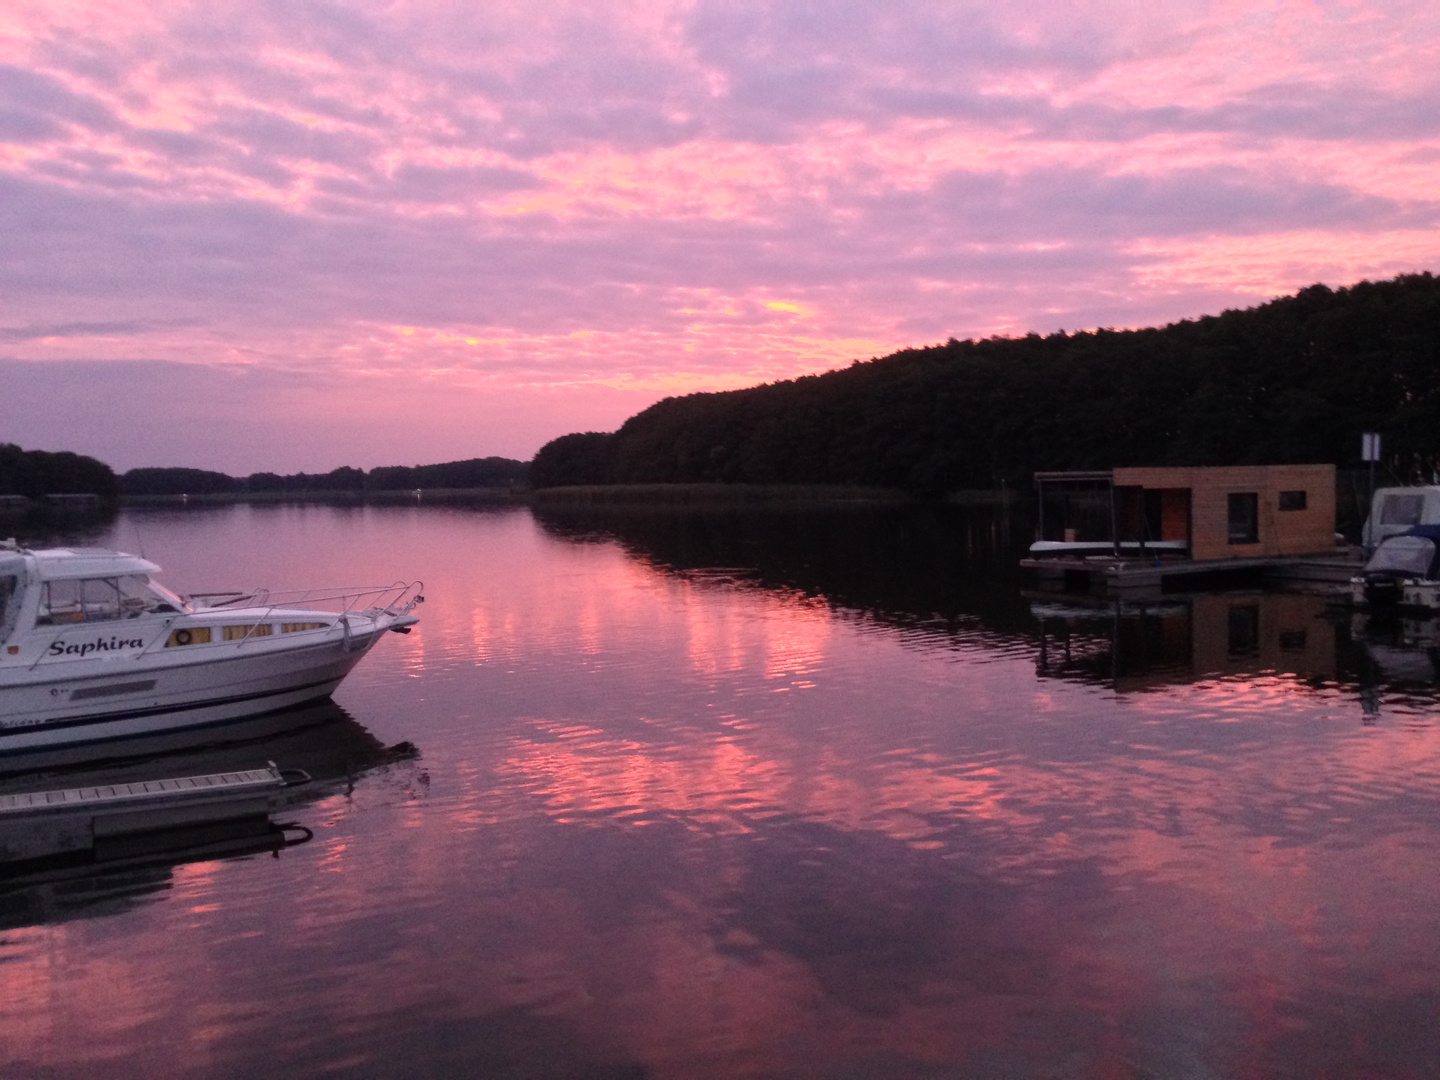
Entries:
{"x":92,"y":648}
{"x":1393,"y":510}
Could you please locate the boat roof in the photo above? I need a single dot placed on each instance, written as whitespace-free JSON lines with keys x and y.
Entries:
{"x":59,"y":563}
{"x":1428,"y":492}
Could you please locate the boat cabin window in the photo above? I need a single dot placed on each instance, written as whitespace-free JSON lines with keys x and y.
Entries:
{"x":72,"y":600}
{"x":9,"y":604}
{"x":1408,"y":556}
{"x":1401,"y":509}
{"x":240,"y":633}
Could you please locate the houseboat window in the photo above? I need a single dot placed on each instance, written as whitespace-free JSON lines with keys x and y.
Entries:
{"x":1244,"y":513}
{"x":1292,"y":640}
{"x":1292,"y":500}
{"x":1244,"y":631}
{"x":1401,"y":509}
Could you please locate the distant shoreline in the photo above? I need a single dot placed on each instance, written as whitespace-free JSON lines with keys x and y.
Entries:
{"x":676,"y":496}
{"x":596,"y":495}
{"x":726,"y":495}
{"x":700,"y":494}
{"x":656,"y":495}
{"x":505,"y":495}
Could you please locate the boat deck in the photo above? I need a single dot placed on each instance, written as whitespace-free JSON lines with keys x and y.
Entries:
{"x":70,"y":822}
{"x":106,"y":797}
{"x":1328,"y":572}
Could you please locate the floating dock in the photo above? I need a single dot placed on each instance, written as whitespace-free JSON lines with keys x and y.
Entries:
{"x":1129,"y":578}
{"x":47,"y":823}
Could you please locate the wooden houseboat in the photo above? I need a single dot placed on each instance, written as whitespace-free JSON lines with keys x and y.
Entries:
{"x":1138,"y":526}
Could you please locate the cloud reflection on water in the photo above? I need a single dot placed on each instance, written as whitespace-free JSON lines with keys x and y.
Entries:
{"x":631,"y":858}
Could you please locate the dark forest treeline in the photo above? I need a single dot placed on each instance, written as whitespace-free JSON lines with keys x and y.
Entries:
{"x":37,"y":473}
{"x":474,"y":473}
{"x":1294,"y":380}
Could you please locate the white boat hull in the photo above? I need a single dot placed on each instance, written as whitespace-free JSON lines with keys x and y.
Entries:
{"x":133,"y":700}
{"x":1412,"y":594}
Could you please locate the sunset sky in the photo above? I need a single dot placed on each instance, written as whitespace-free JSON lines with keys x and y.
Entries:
{"x":297,"y":235}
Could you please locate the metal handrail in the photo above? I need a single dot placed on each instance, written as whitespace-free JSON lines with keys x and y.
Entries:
{"x":351,"y":597}
{"x":406,"y":595}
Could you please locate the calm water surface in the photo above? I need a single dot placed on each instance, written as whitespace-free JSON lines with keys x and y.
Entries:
{"x":794,"y":794}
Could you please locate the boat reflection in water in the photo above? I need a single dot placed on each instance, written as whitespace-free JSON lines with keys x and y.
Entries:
{"x":1393,"y":655}
{"x":1137,"y":646}
{"x":1134,"y":646}
{"x":106,"y":833}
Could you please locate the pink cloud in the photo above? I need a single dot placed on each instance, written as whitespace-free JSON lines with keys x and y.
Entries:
{"x":644,"y":200}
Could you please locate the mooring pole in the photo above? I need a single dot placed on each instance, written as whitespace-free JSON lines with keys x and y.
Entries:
{"x":1114,"y":520}
{"x":1369,"y":451}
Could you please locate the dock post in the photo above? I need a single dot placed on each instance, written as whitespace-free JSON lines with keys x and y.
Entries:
{"x":1114,"y":521}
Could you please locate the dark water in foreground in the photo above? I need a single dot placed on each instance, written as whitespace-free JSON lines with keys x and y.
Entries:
{"x":791,"y":795}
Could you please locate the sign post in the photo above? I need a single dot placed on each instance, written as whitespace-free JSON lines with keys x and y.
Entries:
{"x":1370,"y":451}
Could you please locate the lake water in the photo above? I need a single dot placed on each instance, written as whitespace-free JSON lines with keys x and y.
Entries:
{"x":774,"y":794}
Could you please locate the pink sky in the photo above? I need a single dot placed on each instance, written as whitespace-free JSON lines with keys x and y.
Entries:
{"x":299,"y":235}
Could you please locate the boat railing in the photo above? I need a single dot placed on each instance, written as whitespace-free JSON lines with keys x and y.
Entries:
{"x":396,"y":599}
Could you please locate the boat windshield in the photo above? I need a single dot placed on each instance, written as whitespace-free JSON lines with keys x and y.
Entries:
{"x":72,"y":600}
{"x":1410,"y":556}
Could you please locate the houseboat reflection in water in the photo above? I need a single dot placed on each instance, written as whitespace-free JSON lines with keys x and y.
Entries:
{"x":1139,"y":646}
{"x":1134,"y":646}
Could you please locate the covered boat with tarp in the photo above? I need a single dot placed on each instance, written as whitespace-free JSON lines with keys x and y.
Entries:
{"x":1403,"y":571}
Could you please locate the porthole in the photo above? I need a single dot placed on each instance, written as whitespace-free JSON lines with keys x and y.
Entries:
{"x":188,"y":635}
